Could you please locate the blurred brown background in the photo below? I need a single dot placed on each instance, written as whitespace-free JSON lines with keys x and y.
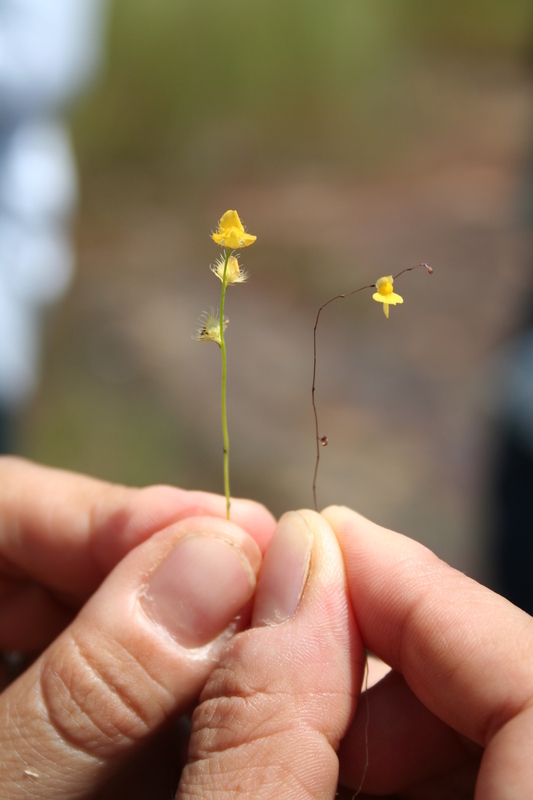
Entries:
{"x":355,"y":139}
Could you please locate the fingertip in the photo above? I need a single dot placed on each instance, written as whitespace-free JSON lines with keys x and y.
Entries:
{"x":351,"y":529}
{"x":342,"y":515}
{"x":154,"y":508}
{"x":256,"y":519}
{"x":180,"y":504}
{"x":359,"y":537}
{"x":303,"y":563}
{"x":312,"y":518}
{"x":213,"y":526}
{"x":204,"y":582}
{"x":285,"y":571}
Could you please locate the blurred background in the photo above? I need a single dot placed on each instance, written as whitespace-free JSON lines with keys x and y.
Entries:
{"x":355,"y":139}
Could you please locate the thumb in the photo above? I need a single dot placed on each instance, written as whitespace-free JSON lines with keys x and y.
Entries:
{"x":135,"y":656}
{"x":273,"y":712}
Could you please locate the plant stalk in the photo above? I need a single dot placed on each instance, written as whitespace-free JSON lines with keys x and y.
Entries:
{"x":224,"y":371}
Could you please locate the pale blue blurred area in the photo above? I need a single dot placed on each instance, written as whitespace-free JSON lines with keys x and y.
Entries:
{"x":510,"y":390}
{"x":49,"y":51}
{"x":510,"y":491}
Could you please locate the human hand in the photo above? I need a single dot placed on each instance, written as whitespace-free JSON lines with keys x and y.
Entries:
{"x":159,"y":577}
{"x":454,"y":719}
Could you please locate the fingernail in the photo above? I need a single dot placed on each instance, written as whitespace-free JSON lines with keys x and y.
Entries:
{"x":199,"y":588}
{"x":284,"y":572}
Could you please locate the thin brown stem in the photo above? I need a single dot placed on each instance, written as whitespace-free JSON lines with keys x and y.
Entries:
{"x":323,"y":440}
{"x":367,"y":726}
{"x":410,"y":269}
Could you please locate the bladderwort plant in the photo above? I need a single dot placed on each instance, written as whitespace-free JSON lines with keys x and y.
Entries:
{"x":384,"y":294}
{"x":231,"y":236}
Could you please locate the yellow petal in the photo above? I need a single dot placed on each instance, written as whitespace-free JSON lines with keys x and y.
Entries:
{"x":231,"y":233}
{"x":228,"y":238}
{"x":230,"y":220}
{"x":386,"y":309}
{"x":391,"y":299}
{"x":247,"y":239}
{"x":394,"y":299}
{"x":233,"y":239}
{"x":383,"y":281}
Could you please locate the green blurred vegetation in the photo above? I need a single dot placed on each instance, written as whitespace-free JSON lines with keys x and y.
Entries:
{"x":228,"y":90}
{"x":210,"y":94}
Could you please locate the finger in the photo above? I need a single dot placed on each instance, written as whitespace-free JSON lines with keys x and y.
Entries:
{"x":396,"y":743}
{"x":275,"y":709}
{"x":66,"y":532}
{"x":136,"y":655}
{"x":51,"y":521}
{"x":464,"y":651}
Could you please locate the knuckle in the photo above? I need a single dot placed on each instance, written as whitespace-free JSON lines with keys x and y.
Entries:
{"x":238,"y":703}
{"x":93,"y":692}
{"x":258,"y":730}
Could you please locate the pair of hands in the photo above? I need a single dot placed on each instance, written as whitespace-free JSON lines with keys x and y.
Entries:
{"x":139,"y":601}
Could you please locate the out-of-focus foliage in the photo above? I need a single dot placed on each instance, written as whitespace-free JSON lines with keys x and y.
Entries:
{"x":229,"y":89}
{"x":357,"y":137}
{"x":491,"y":26}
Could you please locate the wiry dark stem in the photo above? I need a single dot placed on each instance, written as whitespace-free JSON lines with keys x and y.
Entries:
{"x":410,"y":269}
{"x":322,"y":440}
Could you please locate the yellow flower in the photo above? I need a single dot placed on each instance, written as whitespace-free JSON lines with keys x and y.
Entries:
{"x":231,"y":233}
{"x":234,"y":272}
{"x":209,"y":330}
{"x":385,"y":294}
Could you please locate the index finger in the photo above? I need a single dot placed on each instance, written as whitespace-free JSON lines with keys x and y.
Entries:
{"x":464,"y":651}
{"x":68,"y":531}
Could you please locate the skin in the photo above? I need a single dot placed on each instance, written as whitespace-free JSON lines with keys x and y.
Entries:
{"x":75,"y":557}
{"x":276,"y":694}
{"x":453,"y":719}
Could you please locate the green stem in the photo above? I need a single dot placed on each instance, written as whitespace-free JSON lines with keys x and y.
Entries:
{"x":224,"y":370}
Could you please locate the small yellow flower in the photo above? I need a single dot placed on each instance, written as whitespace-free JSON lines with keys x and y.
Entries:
{"x":234,"y":272}
{"x":209,"y":330}
{"x":231,"y":232}
{"x":385,"y":294}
